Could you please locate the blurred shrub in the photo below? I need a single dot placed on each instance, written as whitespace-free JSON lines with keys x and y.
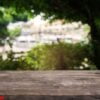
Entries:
{"x":60,"y":56}
{"x":56,"y":56}
{"x":11,"y":63}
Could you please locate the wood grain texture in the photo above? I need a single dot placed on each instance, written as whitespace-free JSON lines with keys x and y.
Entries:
{"x":50,"y":83}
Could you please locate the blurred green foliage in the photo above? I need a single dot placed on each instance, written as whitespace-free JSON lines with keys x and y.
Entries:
{"x":60,"y":56}
{"x":56,"y":56}
{"x":14,"y":32}
{"x":8,"y":15}
{"x":12,"y":63}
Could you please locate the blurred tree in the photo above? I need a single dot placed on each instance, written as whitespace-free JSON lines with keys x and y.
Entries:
{"x":86,"y":11}
{"x":8,"y":15}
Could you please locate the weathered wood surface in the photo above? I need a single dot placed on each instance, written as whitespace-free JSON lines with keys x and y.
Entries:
{"x":50,"y":83}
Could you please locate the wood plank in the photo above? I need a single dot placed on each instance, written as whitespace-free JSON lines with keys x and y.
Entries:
{"x":50,"y":83}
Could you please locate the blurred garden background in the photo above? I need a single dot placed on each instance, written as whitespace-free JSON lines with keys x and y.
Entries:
{"x":44,"y":38}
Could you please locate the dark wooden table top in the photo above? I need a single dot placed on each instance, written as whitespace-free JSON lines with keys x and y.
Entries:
{"x":50,"y":83}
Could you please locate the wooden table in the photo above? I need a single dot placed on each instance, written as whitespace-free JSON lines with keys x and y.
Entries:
{"x":50,"y":85}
